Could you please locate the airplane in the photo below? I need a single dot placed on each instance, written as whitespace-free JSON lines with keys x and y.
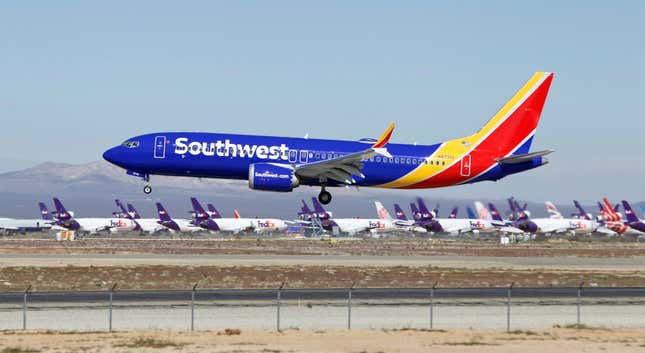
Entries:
{"x":632,"y":219}
{"x":213,"y":212}
{"x":452,"y":226}
{"x":280,"y":164}
{"x":546,"y":226}
{"x":401,"y":222}
{"x":13,"y":225}
{"x":230,"y":225}
{"x":350,"y":226}
{"x":576,"y":225}
{"x":146,"y":225}
{"x":66,"y":220}
{"x":582,"y":214}
{"x":175,"y":225}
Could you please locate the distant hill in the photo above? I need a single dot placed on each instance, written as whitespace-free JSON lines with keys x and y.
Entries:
{"x":90,"y":189}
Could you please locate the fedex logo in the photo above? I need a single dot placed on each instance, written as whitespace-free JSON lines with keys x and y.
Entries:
{"x":266,"y":224}
{"x":228,"y":149}
{"x":118,"y":224}
{"x":476,"y":225}
{"x":377,"y":225}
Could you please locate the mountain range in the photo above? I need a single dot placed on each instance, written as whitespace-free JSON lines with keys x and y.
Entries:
{"x":90,"y":189}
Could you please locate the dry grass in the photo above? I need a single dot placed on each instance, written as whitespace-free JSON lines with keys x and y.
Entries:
{"x":149,"y":342}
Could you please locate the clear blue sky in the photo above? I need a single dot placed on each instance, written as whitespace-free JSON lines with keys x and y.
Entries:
{"x":78,"y":77}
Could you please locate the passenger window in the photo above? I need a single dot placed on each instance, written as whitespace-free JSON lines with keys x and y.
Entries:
{"x":396,"y":160}
{"x":408,"y":161}
{"x":378,"y":159}
{"x":317,"y":155}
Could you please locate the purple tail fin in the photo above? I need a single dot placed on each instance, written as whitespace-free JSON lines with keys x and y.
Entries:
{"x":200,"y":214}
{"x":121,"y":213}
{"x":400,"y":215}
{"x":317,"y":206}
{"x":305,"y":208}
{"x":494,"y":213}
{"x":581,"y":211}
{"x":163,"y":215}
{"x":415,"y":211}
{"x":133,"y":212}
{"x":214,"y":212}
{"x":600,"y":207}
{"x":454,"y":212}
{"x":425,"y":213}
{"x":44,"y":212}
{"x":61,"y":212}
{"x":629,"y":213}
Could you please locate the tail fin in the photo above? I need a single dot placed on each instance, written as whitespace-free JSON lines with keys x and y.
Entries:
{"x":415,"y":211}
{"x":44,"y":212}
{"x":511,"y":129}
{"x":200,"y":214}
{"x":552,"y":210}
{"x":400,"y":215}
{"x":481,"y":211}
{"x":494,"y":213}
{"x":581,"y":211}
{"x":163,"y":215}
{"x":61,"y":212}
{"x":471,"y":213}
{"x":214,"y":212}
{"x":608,"y":206}
{"x":133,"y":212}
{"x":453,"y":213}
{"x":425,"y":213}
{"x":236,"y":214}
{"x":317,"y":206}
{"x":629,"y":213}
{"x":305,"y":208}
{"x":381,"y":211}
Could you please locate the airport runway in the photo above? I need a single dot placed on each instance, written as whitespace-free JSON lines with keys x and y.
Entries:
{"x":636,"y":263}
{"x":358,"y":294}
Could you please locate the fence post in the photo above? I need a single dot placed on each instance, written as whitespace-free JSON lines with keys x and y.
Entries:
{"x":24,"y":307}
{"x":431,"y":304}
{"x":578,"y":304}
{"x":111,"y":297}
{"x":508,"y":307}
{"x":277,"y":305}
{"x":192,"y":307}
{"x":349,"y":306}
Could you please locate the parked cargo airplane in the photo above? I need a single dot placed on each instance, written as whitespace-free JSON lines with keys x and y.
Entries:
{"x":66,"y":220}
{"x":500,"y":148}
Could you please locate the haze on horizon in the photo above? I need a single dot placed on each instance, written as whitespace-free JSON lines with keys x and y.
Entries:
{"x":81,"y":77}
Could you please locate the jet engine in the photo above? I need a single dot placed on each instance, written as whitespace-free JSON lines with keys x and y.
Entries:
{"x":272,"y":177}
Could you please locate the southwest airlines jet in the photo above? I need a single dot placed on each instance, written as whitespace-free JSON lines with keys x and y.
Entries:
{"x":499,"y":148}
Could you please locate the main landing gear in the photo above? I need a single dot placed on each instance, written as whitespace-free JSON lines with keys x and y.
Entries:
{"x":324,"y":197}
{"x":147,"y":189}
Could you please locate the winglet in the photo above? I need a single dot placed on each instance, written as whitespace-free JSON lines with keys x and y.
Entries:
{"x":385,"y":137}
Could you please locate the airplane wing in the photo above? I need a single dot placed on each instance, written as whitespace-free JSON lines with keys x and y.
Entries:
{"x":508,"y":229}
{"x":343,"y":168}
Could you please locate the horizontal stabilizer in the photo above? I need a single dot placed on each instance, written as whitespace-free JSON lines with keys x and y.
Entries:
{"x":521,"y":158}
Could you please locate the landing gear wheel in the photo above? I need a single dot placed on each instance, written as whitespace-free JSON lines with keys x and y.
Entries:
{"x":324,"y":197}
{"x":147,"y":189}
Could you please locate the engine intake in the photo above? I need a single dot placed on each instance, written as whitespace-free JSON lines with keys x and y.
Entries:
{"x":272,"y":177}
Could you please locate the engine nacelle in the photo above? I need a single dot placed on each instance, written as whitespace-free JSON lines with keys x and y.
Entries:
{"x":272,"y":177}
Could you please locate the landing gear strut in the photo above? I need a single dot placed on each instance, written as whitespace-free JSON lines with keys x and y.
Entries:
{"x":324,"y":197}
{"x":147,"y":189}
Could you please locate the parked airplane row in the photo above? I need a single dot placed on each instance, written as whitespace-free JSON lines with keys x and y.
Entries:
{"x":486,"y":219}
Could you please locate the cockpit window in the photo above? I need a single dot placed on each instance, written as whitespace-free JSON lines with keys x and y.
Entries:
{"x":130,"y":144}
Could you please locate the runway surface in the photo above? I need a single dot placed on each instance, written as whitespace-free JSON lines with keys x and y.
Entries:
{"x":636,"y":263}
{"x":391,"y":294}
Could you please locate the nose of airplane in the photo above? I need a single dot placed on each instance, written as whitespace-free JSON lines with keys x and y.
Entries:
{"x":112,"y":155}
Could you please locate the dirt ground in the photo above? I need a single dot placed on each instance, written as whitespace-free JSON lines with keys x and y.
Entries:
{"x":371,"y":341}
{"x":271,"y":246}
{"x":183,"y":277}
